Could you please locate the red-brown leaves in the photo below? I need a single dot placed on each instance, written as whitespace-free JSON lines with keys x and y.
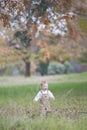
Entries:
{"x":5,"y":18}
{"x":34,"y":29}
{"x":26,"y":3}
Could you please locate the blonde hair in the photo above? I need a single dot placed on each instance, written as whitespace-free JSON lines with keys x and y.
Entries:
{"x":43,"y":82}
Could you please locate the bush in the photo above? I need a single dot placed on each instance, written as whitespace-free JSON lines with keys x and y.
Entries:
{"x":60,"y":68}
{"x":68,"y":67}
{"x":56,"y":68}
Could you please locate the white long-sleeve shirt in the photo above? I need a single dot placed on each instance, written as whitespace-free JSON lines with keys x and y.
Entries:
{"x":39,"y":95}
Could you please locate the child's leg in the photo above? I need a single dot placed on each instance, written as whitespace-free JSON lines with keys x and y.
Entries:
{"x":42,"y":111}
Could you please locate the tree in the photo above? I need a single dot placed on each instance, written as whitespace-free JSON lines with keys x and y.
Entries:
{"x":7,"y":54}
{"x":35,"y":19}
{"x":27,"y":14}
{"x":25,"y":41}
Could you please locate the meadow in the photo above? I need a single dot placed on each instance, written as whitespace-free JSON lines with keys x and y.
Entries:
{"x":69,"y":110}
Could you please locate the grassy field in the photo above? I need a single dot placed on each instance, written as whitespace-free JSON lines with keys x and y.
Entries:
{"x":20,"y":80}
{"x":69,"y":109}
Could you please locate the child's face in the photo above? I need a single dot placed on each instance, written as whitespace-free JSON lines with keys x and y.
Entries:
{"x":44,"y":86}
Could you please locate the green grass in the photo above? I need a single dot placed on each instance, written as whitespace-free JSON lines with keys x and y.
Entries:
{"x":76,"y":76}
{"x":18,"y":113}
{"x":18,"y":81}
{"x":78,"y":89}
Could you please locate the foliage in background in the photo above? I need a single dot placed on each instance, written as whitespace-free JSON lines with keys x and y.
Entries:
{"x":83,"y":24}
{"x":60,"y":68}
{"x":31,"y":19}
{"x":83,"y":58}
{"x":68,"y":67}
{"x":55,"y":68}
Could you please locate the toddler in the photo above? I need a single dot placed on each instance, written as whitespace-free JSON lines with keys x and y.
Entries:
{"x":44,"y":95}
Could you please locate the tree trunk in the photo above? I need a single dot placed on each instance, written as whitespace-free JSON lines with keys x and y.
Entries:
{"x":44,"y":68}
{"x":27,"y":69}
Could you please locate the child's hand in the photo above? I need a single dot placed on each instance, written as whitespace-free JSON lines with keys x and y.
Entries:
{"x":33,"y":101}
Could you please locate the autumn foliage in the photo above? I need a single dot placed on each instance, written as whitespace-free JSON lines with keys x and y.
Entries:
{"x":41,"y":24}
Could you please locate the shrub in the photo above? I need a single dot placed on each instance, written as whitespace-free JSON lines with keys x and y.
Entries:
{"x":68,"y":67}
{"x":56,"y":68}
{"x":60,"y":68}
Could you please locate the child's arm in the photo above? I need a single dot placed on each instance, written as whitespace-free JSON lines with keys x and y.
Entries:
{"x":37,"y":97}
{"x":51,"y":95}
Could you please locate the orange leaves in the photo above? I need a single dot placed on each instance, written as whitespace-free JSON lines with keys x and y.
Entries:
{"x":44,"y":53}
{"x":44,"y":33}
{"x":2,"y":41}
{"x":5,"y":18}
{"x":39,"y":43}
{"x":7,"y":55}
{"x":29,"y":24}
{"x":44,"y":26}
{"x":65,"y":49}
{"x":5,"y":50}
{"x":9,"y":9}
{"x":60,"y":3}
{"x":72,"y":24}
{"x":44,"y":19}
{"x":47,"y":54}
{"x":34,"y":29}
{"x":25,"y":2}
{"x":11,"y":3}
{"x":42,"y":44}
